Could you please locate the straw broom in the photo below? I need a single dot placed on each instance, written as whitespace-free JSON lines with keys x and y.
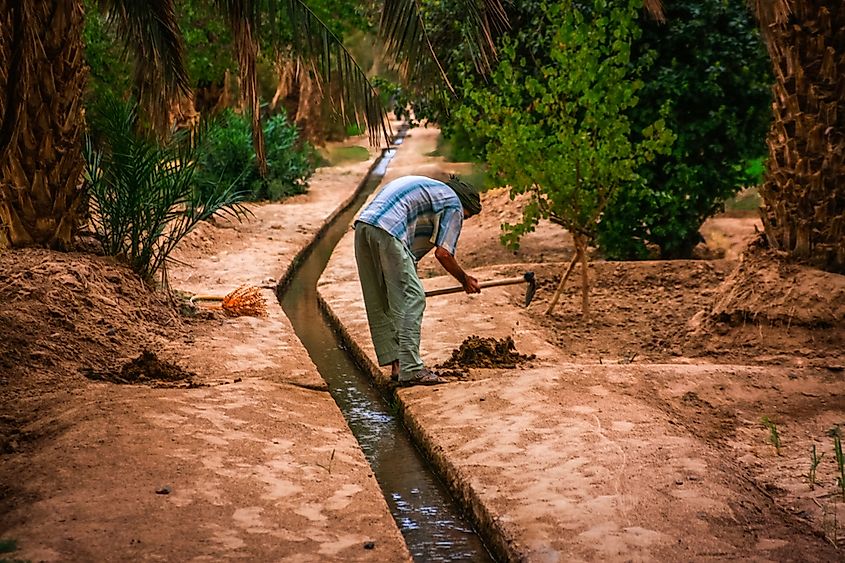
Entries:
{"x":243,"y":301}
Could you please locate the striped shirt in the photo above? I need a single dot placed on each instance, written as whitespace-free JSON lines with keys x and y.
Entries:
{"x":419,"y":211}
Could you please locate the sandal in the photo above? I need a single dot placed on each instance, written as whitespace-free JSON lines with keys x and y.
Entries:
{"x":423,"y":377}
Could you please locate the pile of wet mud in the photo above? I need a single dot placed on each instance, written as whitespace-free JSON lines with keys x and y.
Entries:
{"x":480,"y":352}
{"x":146,"y":369}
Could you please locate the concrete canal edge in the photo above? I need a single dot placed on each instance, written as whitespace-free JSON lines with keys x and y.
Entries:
{"x":502,"y":545}
{"x":296,"y":262}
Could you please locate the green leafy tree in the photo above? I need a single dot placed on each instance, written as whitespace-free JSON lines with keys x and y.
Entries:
{"x":110,"y":73}
{"x":707,"y":65}
{"x":559,"y":131}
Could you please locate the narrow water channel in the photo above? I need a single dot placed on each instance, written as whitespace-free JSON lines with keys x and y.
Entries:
{"x":432,"y":524}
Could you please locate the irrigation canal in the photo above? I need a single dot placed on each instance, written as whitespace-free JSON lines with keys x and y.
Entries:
{"x":433,"y":525}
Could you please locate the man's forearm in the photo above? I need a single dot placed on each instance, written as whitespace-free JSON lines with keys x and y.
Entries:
{"x":451,"y":265}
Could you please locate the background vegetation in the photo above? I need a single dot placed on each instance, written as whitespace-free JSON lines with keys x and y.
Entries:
{"x":703,"y":71}
{"x":706,"y":65}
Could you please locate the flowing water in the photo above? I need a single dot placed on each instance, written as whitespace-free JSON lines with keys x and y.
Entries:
{"x":434,"y":527}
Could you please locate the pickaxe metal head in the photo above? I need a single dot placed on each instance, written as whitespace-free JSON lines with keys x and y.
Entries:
{"x":531,"y":289}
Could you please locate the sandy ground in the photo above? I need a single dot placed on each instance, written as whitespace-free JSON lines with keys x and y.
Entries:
{"x":628,"y":438}
{"x":253,"y":462}
{"x":633,"y":435}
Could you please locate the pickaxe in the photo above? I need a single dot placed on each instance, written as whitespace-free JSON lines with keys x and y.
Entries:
{"x":527,"y":277}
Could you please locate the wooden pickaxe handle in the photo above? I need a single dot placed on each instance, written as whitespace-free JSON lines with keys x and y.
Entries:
{"x":493,"y":283}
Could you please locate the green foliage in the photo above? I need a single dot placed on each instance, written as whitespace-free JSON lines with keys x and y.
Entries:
{"x":289,"y":162}
{"x":557,"y":128}
{"x":208,"y":41}
{"x":457,"y":148}
{"x":706,"y":64}
{"x":109,"y":72}
{"x":774,"y":435}
{"x":228,"y":158}
{"x":840,"y":460}
{"x":143,"y":201}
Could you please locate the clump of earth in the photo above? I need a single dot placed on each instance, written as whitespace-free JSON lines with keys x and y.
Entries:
{"x":480,"y":352}
{"x":147,"y":368}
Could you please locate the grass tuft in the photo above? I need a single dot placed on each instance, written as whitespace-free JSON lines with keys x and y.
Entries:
{"x":774,"y":435}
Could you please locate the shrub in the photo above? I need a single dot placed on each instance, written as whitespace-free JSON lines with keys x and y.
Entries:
{"x":289,"y":163}
{"x":707,"y":66}
{"x":711,"y":70}
{"x":228,"y":158}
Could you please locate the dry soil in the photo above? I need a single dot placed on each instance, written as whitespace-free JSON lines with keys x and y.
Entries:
{"x":676,"y":422}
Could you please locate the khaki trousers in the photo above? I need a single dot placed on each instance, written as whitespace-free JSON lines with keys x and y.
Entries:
{"x":393,"y":296}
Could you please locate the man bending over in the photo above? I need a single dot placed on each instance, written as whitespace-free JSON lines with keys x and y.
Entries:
{"x":404,"y":221}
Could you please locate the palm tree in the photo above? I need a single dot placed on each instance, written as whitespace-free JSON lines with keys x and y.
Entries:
{"x":43,"y":76}
{"x":803,"y":209}
{"x":804,"y":191}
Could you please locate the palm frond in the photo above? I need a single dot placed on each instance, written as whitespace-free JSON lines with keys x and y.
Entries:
{"x":150,"y":30}
{"x":356,"y":99}
{"x":403,"y":31}
{"x":654,"y":9}
{"x":243,"y":17}
{"x":143,"y":195}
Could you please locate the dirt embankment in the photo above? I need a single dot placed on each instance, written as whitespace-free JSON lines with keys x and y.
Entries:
{"x":219,"y":442}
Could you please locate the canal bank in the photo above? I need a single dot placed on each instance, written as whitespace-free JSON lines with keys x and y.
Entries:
{"x":558,"y":460}
{"x":433,"y":524}
{"x":253,"y":461}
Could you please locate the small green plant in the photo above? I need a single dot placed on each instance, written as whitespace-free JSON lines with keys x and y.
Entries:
{"x":143,"y":201}
{"x":815,"y":460}
{"x":840,"y":460}
{"x":774,"y":435}
{"x":10,"y":546}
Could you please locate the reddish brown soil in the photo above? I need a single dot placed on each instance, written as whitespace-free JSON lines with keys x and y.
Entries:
{"x":480,"y":352}
{"x":774,"y":331}
{"x":66,"y":315}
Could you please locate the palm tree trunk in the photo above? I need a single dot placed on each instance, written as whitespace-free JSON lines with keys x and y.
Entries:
{"x":804,"y":192}
{"x":42,"y":78}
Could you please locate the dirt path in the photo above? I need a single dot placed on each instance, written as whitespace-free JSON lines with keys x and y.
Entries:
{"x":581,"y":454}
{"x":254,"y":462}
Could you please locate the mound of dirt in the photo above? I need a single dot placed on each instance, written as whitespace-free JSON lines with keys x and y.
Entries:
{"x":57,"y":307}
{"x":765,"y":287}
{"x":60,"y":312}
{"x":769,"y":306}
{"x":146,"y":369}
{"x":478,"y":352}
